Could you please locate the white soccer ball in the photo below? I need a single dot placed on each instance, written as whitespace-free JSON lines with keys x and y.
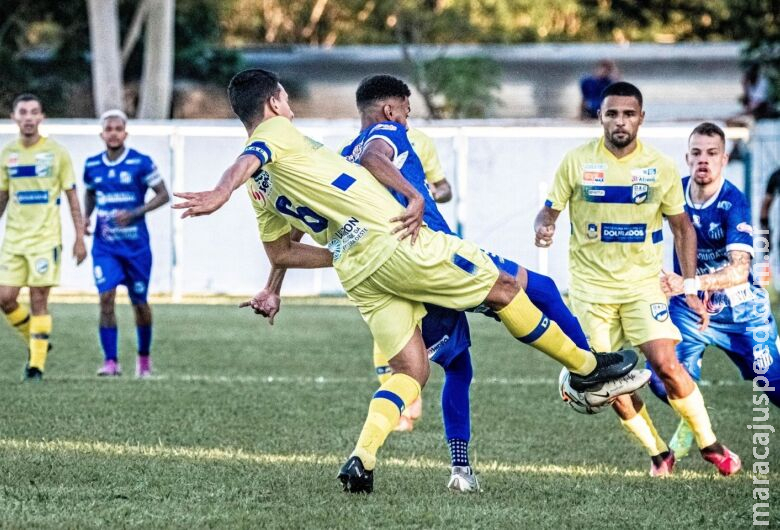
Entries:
{"x":577,"y":400}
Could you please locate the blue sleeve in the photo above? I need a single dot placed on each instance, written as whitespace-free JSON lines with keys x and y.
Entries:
{"x":88,"y":177}
{"x":151,"y":176}
{"x":739,"y":232}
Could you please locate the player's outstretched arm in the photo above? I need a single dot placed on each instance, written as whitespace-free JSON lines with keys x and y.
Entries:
{"x":268,"y":302}
{"x":3,"y":201}
{"x":685,"y":245}
{"x":544,"y":226}
{"x":377,"y":158}
{"x":79,"y":248}
{"x":207,"y":202}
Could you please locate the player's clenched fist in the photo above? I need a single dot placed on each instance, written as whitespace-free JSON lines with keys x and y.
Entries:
{"x":544,"y":235}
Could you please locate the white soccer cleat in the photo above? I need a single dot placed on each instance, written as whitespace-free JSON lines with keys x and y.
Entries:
{"x":607,"y":392}
{"x":463,"y":480}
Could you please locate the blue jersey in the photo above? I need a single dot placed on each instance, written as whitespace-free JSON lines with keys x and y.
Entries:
{"x":120,"y":185}
{"x":407,"y":162}
{"x":723,"y":224}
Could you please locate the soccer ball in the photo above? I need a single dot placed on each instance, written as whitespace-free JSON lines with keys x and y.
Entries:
{"x":577,"y":400}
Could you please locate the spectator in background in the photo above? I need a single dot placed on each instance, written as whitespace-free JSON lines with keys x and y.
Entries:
{"x":593,"y":85}
{"x":756,"y":99}
{"x":772,"y":188}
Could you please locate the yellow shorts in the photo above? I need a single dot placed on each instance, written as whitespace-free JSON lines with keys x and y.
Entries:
{"x":610,"y":326}
{"x":39,"y":269}
{"x":439,"y":269}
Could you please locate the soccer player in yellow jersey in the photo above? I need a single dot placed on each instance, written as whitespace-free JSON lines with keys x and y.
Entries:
{"x":618,"y":189}
{"x":297,"y":183}
{"x":34,"y":170}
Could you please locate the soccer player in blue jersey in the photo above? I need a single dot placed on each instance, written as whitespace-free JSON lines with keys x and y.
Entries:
{"x":116,"y":182}
{"x":296,"y":182}
{"x":741,"y":321}
{"x":618,"y":189}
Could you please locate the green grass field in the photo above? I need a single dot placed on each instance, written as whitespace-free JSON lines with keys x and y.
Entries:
{"x":246,"y":425}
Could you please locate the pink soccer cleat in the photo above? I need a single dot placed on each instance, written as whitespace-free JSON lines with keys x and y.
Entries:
{"x":110,"y":368}
{"x":665,"y":467}
{"x":727,"y":463}
{"x":143,"y":366}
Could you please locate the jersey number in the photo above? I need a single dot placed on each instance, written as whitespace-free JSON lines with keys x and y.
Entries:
{"x":303,"y":213}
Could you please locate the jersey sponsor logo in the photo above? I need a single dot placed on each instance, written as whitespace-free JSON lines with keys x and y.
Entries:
{"x":346,"y":237}
{"x":620,"y":233}
{"x":32,"y":197}
{"x":746,"y":228}
{"x":660,"y":312}
{"x":724,"y":205}
{"x":132,"y":161}
{"x":715,"y":231}
{"x":114,"y":198}
{"x":645,"y":175}
{"x":354,"y":156}
{"x":385,"y":127}
{"x":92,"y":163}
{"x":262,"y":180}
{"x":597,"y":193}
{"x":593,"y":231}
{"x":593,"y":173}
{"x":437,"y":346}
{"x":696,"y":220}
{"x":13,"y":159}
{"x":639,"y":193}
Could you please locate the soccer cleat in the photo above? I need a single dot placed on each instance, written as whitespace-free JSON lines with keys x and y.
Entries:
{"x":463,"y":480}
{"x":607,"y":392}
{"x":32,"y":374}
{"x":110,"y":368}
{"x":355,"y":478}
{"x":727,"y":462}
{"x":411,"y":414}
{"x":665,"y":465}
{"x":682,"y":440}
{"x":143,"y":366}
{"x":609,"y":366}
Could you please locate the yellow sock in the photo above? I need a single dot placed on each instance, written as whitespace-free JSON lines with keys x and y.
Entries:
{"x":383,"y":413}
{"x":40,"y":328}
{"x":527,"y":324}
{"x":19,"y":318}
{"x":642,"y":428}
{"x":381,"y":365}
{"x":691,"y":408}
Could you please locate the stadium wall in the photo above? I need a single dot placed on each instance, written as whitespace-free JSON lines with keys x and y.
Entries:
{"x":500,"y":175}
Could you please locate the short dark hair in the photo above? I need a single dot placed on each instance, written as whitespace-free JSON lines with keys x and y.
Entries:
{"x":621,"y":88}
{"x":25,"y":97}
{"x":249,"y":90}
{"x":708,"y":128}
{"x":378,"y":87}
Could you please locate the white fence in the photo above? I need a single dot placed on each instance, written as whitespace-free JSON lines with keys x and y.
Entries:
{"x":500,"y":176}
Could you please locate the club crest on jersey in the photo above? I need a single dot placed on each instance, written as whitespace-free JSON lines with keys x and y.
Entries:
{"x":593,"y":231}
{"x":660,"y":312}
{"x":645,"y":175}
{"x":639,"y":193}
{"x":43,"y":164}
{"x":715,"y":231}
{"x":125,"y":177}
{"x":41,"y":265}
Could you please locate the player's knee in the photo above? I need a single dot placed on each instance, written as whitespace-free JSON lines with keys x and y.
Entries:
{"x":503,"y":291}
{"x":7,"y":302}
{"x":670,"y":370}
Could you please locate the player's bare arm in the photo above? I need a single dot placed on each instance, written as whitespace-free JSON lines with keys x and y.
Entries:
{"x":79,"y":248}
{"x":377,"y":158}
{"x":544,"y":226}
{"x":3,"y":201}
{"x":89,"y":206}
{"x":735,"y":273}
{"x":206,"y":202}
{"x":288,"y":254}
{"x":268,"y":302}
{"x":441,"y":191}
{"x":161,"y":197}
{"x":685,"y":245}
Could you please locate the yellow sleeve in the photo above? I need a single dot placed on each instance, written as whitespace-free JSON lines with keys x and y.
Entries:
{"x":270,"y":225}
{"x":425,"y":148}
{"x":272,"y":140}
{"x":673,"y":196}
{"x":563,"y":185}
{"x":66,"y":175}
{"x":3,"y":172}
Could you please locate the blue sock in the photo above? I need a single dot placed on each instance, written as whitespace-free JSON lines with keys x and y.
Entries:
{"x":108,"y":341}
{"x":144,"y":334}
{"x":656,"y":385}
{"x":459,"y":452}
{"x":455,"y":399}
{"x":543,"y":292}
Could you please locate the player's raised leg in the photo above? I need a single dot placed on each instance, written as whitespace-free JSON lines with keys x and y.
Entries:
{"x":108,"y":334}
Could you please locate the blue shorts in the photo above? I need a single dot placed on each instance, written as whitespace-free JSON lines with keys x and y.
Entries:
{"x":743,"y":347}
{"x":446,"y":331}
{"x":112,"y":269}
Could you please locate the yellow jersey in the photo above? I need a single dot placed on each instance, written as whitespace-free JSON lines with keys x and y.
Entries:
{"x":616,"y":207}
{"x":342,"y":206}
{"x":34,"y":178}
{"x":425,"y":148}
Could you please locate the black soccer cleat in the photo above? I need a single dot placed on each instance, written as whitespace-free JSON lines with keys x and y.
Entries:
{"x":32,"y":374}
{"x":355,"y":478}
{"x":608,"y":366}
